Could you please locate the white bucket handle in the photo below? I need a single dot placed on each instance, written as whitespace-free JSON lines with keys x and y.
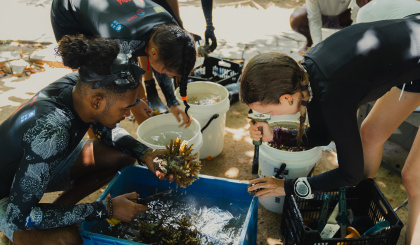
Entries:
{"x":208,"y":123}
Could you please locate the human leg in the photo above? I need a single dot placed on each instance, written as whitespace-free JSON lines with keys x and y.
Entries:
{"x":64,"y":235}
{"x":345,"y":18}
{"x":380,"y":124}
{"x":95,"y":166}
{"x":149,"y":82}
{"x":411,"y":182}
{"x":300,"y":24}
{"x":68,"y":235}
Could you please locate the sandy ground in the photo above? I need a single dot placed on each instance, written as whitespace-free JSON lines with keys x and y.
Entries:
{"x":236,"y":159}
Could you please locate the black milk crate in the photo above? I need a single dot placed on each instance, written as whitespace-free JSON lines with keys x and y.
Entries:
{"x":298,"y":225}
{"x":218,"y":70}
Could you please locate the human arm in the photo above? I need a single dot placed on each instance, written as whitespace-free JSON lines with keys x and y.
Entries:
{"x":124,"y":208}
{"x":207,"y":6}
{"x":315,"y":20}
{"x":270,"y":186}
{"x":121,"y":140}
{"x":166,"y":85}
{"x":354,"y":11}
{"x":341,"y":124}
{"x":174,"y":5}
{"x":45,"y":144}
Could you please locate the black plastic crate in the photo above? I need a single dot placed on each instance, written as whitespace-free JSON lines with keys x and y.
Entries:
{"x":218,"y":70}
{"x":366,"y":202}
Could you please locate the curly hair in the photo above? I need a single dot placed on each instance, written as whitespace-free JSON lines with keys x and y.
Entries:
{"x":92,"y":55}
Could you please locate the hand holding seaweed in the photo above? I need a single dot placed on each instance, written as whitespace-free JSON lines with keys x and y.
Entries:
{"x":179,"y":162}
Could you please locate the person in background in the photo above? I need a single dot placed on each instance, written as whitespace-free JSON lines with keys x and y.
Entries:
{"x":43,"y":149}
{"x":402,"y":100}
{"x":354,"y":66}
{"x":172,"y":7}
{"x":316,"y":14}
{"x":143,"y":28}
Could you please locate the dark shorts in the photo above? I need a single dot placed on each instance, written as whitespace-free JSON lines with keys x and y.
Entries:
{"x":413,"y":86}
{"x":331,"y":22}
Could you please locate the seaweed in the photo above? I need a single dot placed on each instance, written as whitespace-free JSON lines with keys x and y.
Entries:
{"x":180,"y":162}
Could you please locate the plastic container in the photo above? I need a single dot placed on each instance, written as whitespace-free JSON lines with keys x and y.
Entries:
{"x":139,"y":179}
{"x":212,"y":127}
{"x":367,"y":204}
{"x":147,"y":130}
{"x":218,"y":70}
{"x":298,"y":164}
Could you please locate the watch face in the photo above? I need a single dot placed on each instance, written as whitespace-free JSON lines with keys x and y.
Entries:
{"x":301,"y":188}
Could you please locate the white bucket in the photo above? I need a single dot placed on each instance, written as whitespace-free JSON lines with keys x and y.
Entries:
{"x":213,"y":135}
{"x":298,"y":164}
{"x":153,"y":128}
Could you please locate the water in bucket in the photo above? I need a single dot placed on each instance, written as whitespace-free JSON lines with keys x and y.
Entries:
{"x":204,"y":99}
{"x":163,"y":136}
{"x":156,"y":132}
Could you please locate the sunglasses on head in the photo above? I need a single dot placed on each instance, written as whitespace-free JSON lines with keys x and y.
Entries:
{"x":123,"y":74}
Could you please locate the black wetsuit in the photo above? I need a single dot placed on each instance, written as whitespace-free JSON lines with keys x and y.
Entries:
{"x":36,"y":139}
{"x":354,"y":66}
{"x":130,"y":22}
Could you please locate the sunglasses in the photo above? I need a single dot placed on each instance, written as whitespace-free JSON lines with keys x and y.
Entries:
{"x":123,"y":74}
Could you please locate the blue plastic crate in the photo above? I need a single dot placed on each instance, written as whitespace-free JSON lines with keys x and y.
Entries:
{"x":140,"y":179}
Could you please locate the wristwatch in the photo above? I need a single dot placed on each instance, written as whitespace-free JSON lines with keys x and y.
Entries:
{"x":303,"y":188}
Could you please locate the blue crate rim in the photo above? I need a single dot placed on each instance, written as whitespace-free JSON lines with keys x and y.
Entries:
{"x":108,"y":188}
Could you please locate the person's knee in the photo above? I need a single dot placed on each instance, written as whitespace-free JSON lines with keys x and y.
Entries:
{"x":298,"y":19}
{"x":370,"y":135}
{"x":70,"y":236}
{"x":297,"y":22}
{"x":410,"y":180}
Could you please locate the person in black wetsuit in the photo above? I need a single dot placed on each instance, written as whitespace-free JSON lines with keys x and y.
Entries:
{"x":141,"y":26}
{"x":353,"y":66}
{"x":172,"y":7}
{"x":43,"y":150}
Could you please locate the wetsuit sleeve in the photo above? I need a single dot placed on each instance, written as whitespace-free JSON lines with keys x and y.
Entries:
{"x":343,"y":127}
{"x":120,"y":139}
{"x":315,"y":20}
{"x":207,"y":6}
{"x":341,"y":124}
{"x":45,"y":144}
{"x":317,"y":134}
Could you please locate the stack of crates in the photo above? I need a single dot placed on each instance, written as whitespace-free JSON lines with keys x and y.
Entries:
{"x":218,"y":70}
{"x":367,"y":203}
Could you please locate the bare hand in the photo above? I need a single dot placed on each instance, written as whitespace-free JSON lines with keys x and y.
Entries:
{"x":148,"y":159}
{"x":125,"y":209}
{"x":256,"y":135}
{"x":176,"y":110}
{"x":270,"y":186}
